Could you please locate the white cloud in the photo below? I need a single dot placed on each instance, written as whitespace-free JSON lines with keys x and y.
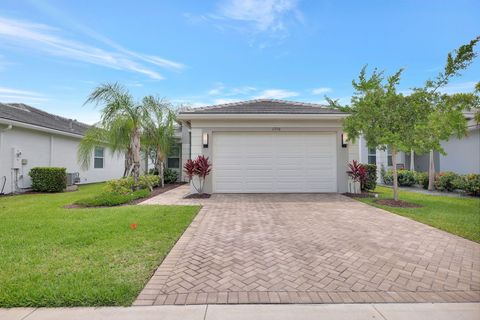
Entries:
{"x":321,"y":90}
{"x":223,"y":101}
{"x":17,"y":95}
{"x":46,"y":39}
{"x":458,"y":87}
{"x":218,"y":89}
{"x":264,"y":15}
{"x":276,"y":94}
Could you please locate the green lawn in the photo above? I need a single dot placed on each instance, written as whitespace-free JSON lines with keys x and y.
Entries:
{"x":460,"y":216}
{"x":51,"y":256}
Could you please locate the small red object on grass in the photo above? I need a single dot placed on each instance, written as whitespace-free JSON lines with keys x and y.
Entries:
{"x":133,"y":226}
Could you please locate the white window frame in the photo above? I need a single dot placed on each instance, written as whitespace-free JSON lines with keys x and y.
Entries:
{"x":98,"y":157}
{"x":178,"y":146}
{"x":371,"y":154}
{"x":389,"y":157}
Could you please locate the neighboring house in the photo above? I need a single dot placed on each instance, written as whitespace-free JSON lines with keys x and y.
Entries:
{"x":462,"y":154}
{"x":269,"y":146}
{"x":30,"y":137}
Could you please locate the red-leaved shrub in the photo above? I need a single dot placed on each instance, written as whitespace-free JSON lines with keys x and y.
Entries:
{"x":199,"y":167}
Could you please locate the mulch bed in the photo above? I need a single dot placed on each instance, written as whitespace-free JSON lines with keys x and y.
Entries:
{"x":198,"y":196}
{"x":398,"y":204}
{"x":361,"y":195}
{"x":155,"y":192}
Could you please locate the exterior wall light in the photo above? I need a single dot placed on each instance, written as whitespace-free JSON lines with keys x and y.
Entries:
{"x":344,"y":140}
{"x":205,"y":140}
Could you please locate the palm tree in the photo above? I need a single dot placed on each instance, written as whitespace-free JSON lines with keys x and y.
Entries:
{"x":120,"y":126}
{"x":158,"y":131}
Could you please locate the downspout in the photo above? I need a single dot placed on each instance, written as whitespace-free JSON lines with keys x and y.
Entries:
{"x":7,"y":128}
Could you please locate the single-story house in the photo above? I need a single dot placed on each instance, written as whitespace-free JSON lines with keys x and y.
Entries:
{"x":30,"y":137}
{"x":269,"y":146}
{"x":462,"y":154}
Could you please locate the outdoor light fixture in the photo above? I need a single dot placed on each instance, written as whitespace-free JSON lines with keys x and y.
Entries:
{"x":344,"y":140}
{"x":205,"y":140}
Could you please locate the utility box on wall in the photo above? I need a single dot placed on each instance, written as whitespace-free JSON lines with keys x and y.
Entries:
{"x":16,"y":158}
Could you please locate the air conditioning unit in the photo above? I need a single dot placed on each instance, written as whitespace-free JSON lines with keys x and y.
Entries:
{"x":73,"y":178}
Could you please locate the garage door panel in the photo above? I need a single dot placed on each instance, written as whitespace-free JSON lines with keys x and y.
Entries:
{"x":256,"y":162}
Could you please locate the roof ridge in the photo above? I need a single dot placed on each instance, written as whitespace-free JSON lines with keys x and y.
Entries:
{"x":236,"y":103}
{"x":39,"y":111}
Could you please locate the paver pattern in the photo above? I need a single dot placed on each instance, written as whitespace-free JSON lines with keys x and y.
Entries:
{"x":311,"y":248}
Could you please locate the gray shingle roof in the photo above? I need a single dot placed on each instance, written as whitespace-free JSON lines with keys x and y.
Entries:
{"x":264,"y":106}
{"x":26,"y":114}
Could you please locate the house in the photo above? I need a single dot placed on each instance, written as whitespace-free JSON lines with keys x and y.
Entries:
{"x":269,"y":146}
{"x":30,"y":137}
{"x":462,"y":154}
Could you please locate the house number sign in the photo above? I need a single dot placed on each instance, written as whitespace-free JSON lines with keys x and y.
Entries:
{"x":275,"y":129}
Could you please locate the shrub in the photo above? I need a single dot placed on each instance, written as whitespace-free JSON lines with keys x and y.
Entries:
{"x":421,"y":178}
{"x":110,"y":199}
{"x":148,"y":182}
{"x":170,"y":176}
{"x":200,"y":167}
{"x":48,"y":179}
{"x":356,"y":171}
{"x":444,"y":181}
{"x":370,"y":182}
{"x":459,"y":183}
{"x":126,"y":185}
{"x":472,"y":184}
{"x":404,"y":177}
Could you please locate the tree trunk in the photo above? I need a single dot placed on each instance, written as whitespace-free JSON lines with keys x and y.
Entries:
{"x":395,"y":176}
{"x":431,"y":173}
{"x":128,"y":162}
{"x":412,"y":160}
{"x":160,"y":167}
{"x":136,"y":154}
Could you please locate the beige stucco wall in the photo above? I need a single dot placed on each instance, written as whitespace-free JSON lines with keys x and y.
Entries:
{"x":198,"y":127}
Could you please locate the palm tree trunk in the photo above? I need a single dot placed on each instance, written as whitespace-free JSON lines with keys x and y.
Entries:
{"x":136,"y":154}
{"x":160,"y":166}
{"x":128,"y":162}
{"x":431,"y":173}
{"x":395,"y":176}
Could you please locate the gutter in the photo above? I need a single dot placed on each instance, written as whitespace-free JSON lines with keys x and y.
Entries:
{"x":19,"y":124}
{"x":260,"y":116}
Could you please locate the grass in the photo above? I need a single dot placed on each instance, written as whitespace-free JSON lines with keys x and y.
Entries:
{"x":51,"y":256}
{"x":457,"y":215}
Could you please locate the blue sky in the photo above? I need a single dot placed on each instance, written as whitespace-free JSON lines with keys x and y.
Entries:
{"x":53,"y":53}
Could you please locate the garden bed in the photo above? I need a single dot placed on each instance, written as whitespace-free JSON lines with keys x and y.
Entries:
{"x":198,"y":196}
{"x":104,"y":200}
{"x":397,"y":204}
{"x":361,"y":195}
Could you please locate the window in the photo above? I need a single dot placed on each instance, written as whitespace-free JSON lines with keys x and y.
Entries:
{"x":173,"y":159}
{"x":98,"y":158}
{"x":389,"y":157}
{"x":372,"y":156}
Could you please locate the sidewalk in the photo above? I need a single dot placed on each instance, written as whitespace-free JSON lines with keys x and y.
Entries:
{"x":409,"y":311}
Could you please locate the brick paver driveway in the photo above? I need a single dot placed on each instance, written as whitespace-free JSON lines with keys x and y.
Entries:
{"x":312,"y":248}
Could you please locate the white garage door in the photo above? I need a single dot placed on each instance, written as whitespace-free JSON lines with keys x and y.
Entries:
{"x":263,"y":162}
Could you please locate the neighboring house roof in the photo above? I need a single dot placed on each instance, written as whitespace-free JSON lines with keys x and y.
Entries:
{"x":26,"y":114}
{"x":264,"y":106}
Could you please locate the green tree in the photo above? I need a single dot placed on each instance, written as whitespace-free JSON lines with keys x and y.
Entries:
{"x":381,"y":115}
{"x":158,"y":131}
{"x":119,"y":114}
{"x":416,"y":122}
{"x":440,"y":116}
